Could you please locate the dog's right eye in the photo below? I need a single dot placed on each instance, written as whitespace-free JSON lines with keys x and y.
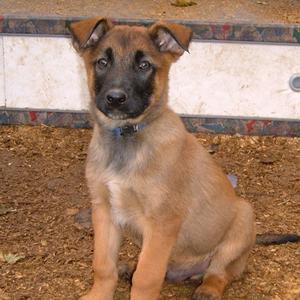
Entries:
{"x":144,"y":65}
{"x":102,"y":63}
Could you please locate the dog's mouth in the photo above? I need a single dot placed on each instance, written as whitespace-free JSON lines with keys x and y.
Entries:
{"x":117,"y":115}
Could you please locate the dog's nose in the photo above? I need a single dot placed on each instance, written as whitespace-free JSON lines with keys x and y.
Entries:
{"x":116,"y":97}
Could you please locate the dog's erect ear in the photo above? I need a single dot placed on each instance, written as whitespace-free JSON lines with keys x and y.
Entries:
{"x":87,"y":33}
{"x":170,"y":37}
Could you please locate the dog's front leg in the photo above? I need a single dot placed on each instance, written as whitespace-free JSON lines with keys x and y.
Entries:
{"x":106,"y":246}
{"x":158,"y":241}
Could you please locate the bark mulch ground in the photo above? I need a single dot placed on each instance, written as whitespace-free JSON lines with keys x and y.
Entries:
{"x":44,"y":254}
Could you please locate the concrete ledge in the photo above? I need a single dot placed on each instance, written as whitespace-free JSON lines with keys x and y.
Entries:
{"x":215,"y":124}
{"x":221,"y":64}
{"x":224,"y":79}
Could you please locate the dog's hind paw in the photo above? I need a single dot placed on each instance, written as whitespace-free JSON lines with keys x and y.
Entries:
{"x":204,"y":296}
{"x":126,"y":270}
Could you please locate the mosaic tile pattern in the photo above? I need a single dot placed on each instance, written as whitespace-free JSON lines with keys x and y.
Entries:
{"x":193,"y":124}
{"x":243,"y":126}
{"x":272,"y":33}
{"x":247,"y":32}
{"x":48,"y":118}
{"x":34,"y":25}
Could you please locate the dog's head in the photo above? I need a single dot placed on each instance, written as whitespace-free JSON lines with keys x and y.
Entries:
{"x":128,"y":66}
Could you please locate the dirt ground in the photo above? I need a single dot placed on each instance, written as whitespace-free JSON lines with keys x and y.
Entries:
{"x":248,"y":11}
{"x":45,"y":254}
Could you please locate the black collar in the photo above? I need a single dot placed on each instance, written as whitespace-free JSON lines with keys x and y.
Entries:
{"x":128,"y":130}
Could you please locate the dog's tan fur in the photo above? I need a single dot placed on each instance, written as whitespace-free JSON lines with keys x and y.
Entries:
{"x":166,"y":188}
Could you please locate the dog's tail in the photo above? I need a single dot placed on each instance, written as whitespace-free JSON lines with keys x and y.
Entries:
{"x":276,"y":239}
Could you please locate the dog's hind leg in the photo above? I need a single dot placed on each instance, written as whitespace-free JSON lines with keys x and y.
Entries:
{"x":181,"y":273}
{"x":126,"y":270}
{"x":231,"y":255}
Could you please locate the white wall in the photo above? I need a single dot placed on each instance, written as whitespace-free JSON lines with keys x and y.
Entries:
{"x":236,"y":79}
{"x":2,"y":97}
{"x":214,"y":79}
{"x":43,"y":72}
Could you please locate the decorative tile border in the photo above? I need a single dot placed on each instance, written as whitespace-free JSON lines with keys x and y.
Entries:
{"x":271,"y":33}
{"x":48,"y":118}
{"x":244,"y":126}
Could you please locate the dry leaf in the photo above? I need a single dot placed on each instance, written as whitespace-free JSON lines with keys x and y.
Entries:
{"x":10,"y":258}
{"x":5,"y":210}
{"x":183,"y":3}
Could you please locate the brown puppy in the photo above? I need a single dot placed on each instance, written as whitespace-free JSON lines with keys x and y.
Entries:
{"x":146,"y":172}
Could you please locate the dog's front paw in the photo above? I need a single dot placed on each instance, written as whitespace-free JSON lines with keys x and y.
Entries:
{"x":91,"y":296}
{"x":204,"y":296}
{"x":85,"y":297}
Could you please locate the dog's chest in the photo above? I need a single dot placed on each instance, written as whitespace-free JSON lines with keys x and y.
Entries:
{"x":126,"y":208}
{"x":125,"y":163}
{"x":121,"y":153}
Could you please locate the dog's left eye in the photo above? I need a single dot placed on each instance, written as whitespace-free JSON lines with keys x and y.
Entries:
{"x":102,"y":63}
{"x":144,"y":65}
